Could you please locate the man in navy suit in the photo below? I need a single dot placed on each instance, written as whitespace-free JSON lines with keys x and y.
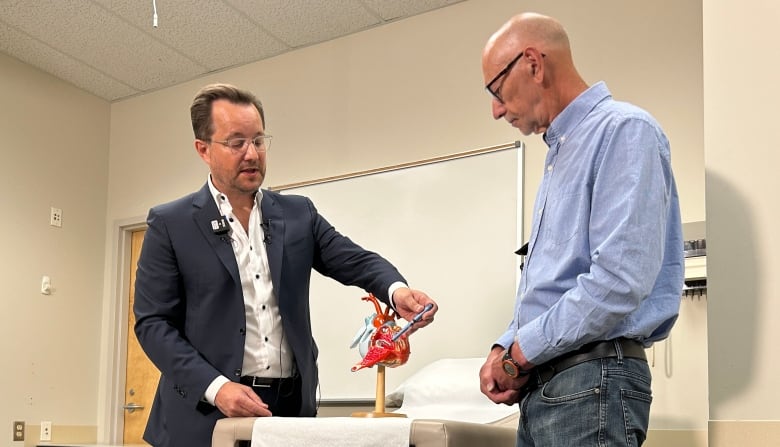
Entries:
{"x":222,"y":287}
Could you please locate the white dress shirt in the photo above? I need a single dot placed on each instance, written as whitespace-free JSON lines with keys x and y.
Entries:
{"x":266,"y":352}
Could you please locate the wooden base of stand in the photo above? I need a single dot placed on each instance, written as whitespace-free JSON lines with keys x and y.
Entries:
{"x":379,"y":406}
{"x":374,"y":414}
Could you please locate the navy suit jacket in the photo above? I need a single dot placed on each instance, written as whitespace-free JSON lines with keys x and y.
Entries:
{"x":189,"y":306}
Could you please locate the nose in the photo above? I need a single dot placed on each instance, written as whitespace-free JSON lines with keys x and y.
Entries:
{"x":498,"y":109}
{"x":252,"y":151}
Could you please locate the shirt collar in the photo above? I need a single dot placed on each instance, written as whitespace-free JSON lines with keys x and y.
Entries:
{"x":571,"y":116}
{"x":221,"y":199}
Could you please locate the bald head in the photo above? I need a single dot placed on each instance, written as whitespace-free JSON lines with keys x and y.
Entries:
{"x":531,"y":29}
{"x":528,"y":67}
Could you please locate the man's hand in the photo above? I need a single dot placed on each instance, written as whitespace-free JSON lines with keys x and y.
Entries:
{"x":495,"y":384}
{"x":410,"y":302}
{"x":237,"y":400}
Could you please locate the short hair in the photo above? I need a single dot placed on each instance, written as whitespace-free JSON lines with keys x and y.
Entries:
{"x":200,"y":110}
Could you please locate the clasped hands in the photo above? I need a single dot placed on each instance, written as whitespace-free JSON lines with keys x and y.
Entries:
{"x":496,"y":384}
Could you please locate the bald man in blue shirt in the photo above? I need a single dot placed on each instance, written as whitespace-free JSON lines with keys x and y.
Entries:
{"x":604,"y":269}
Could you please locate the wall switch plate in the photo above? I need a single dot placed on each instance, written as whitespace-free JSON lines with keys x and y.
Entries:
{"x":18,"y":430}
{"x":46,"y":285}
{"x":45,"y":430}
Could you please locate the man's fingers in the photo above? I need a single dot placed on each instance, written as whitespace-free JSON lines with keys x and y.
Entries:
{"x":253,"y":404}
{"x":241,"y":401}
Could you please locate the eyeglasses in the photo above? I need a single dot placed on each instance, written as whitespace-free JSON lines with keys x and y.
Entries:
{"x":497,"y":92}
{"x":240,"y":145}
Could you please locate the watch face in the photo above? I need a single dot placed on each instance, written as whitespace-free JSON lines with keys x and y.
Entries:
{"x":509,"y":369}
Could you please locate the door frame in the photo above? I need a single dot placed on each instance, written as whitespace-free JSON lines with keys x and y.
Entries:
{"x":113,"y":346}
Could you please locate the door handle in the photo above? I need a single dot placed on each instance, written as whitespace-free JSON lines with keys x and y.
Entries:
{"x":131,"y":407}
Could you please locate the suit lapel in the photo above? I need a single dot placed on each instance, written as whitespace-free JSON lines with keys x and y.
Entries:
{"x":273,"y":214}
{"x":204,"y":212}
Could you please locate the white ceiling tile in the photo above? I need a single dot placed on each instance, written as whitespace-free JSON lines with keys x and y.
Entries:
{"x":303,"y":22}
{"x":210,"y":32}
{"x":394,"y":9}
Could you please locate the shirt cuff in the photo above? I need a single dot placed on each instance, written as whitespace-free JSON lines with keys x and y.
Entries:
{"x":533,"y":342}
{"x":211,"y":392}
{"x":506,"y":340}
{"x":393,"y":287}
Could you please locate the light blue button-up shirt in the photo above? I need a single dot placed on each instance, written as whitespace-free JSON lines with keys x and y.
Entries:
{"x":605,"y":255}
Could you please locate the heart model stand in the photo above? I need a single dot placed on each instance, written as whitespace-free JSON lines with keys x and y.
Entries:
{"x":379,"y":405}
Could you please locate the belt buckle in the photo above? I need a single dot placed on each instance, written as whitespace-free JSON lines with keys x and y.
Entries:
{"x":259,"y":385}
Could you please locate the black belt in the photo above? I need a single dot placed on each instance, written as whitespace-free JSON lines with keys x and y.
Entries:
{"x":592,"y":351}
{"x":266,"y":382}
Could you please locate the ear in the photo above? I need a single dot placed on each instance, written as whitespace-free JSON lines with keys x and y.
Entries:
{"x":202,"y":148}
{"x":536,"y":62}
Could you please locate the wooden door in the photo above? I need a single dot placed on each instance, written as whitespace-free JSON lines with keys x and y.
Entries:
{"x":141,"y":375}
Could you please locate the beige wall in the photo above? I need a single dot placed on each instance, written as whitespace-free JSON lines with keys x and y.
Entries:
{"x":740,"y":102}
{"x":54,"y":146}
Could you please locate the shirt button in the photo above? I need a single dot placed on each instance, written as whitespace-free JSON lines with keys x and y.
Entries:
{"x":549,"y":168}
{"x":237,"y":372}
{"x":539,"y":212}
{"x":268,"y":367}
{"x":257,"y":276}
{"x":230,"y":219}
{"x":263,"y":307}
{"x":242,"y":331}
{"x":266,"y":338}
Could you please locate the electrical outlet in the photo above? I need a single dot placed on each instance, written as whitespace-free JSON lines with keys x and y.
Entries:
{"x":55,"y":219}
{"x":45,"y":430}
{"x":18,"y":430}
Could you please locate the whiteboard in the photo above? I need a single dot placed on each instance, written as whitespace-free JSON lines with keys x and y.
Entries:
{"x":451,"y":228}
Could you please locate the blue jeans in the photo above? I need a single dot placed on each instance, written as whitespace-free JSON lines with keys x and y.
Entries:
{"x":599,"y":403}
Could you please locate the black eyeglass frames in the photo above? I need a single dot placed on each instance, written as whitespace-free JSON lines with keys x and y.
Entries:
{"x":497,"y":92}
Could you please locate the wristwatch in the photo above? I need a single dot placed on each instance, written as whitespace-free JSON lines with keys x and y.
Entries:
{"x":511,"y":367}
